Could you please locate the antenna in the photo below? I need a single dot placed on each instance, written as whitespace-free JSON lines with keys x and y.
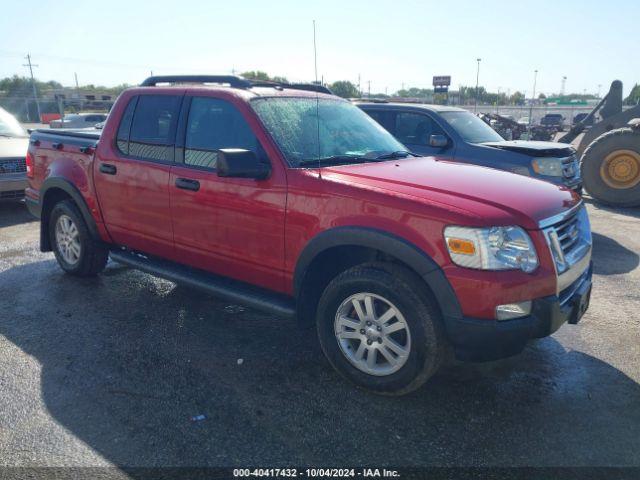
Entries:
{"x":315,"y":65}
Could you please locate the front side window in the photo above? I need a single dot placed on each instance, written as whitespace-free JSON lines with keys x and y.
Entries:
{"x":311,"y":130}
{"x":470,"y":127}
{"x":415,"y":128}
{"x":153,"y":127}
{"x":215,"y":124}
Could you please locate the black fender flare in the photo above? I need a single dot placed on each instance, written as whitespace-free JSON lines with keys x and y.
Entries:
{"x":391,"y":244}
{"x":69,"y":188}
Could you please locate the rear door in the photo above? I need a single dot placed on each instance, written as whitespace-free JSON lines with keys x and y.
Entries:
{"x":230,"y":226}
{"x":132,"y":176}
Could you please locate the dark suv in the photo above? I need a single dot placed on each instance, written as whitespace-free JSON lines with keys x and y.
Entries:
{"x":554,"y":120}
{"x":456,"y":134}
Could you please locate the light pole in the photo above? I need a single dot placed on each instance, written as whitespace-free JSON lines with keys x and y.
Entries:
{"x":535,"y":78}
{"x":564,"y":82}
{"x":475,"y":106}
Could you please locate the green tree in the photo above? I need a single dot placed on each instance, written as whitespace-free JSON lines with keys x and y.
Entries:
{"x":634,"y":96}
{"x":414,"y":92}
{"x":20,"y":86}
{"x":262,"y":76}
{"x":344,"y":89}
{"x":517,"y":98}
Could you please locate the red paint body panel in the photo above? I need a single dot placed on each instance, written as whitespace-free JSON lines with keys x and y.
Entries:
{"x":255,"y":231}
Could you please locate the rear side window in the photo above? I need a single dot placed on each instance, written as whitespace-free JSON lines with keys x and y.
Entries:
{"x":214,"y":124}
{"x":153,"y":127}
{"x":122,"y":137}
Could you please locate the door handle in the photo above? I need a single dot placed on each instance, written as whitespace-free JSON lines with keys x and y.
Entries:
{"x":188,"y":184}
{"x":108,"y":169}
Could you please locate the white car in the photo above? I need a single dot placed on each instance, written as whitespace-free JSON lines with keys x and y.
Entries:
{"x":524,"y":121}
{"x":79,"y":120}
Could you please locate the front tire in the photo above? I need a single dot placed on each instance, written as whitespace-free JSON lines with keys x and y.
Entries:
{"x":75,"y":250}
{"x":380,"y":329}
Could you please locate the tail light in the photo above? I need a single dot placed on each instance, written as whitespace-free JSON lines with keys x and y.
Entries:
{"x":29,"y":163}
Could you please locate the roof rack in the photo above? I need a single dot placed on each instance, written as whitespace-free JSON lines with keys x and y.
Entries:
{"x":233,"y":81}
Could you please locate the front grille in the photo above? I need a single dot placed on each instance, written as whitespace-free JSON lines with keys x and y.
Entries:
{"x":570,"y":167}
{"x":12,"y":194}
{"x":12,"y":165}
{"x":570,"y":239}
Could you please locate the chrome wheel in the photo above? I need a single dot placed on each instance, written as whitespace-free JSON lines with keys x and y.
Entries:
{"x":68,"y":239}
{"x":373,"y":334}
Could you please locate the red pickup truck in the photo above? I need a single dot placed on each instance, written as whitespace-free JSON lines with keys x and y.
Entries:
{"x":293,"y":201}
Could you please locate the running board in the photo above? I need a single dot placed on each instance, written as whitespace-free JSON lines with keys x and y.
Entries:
{"x":225,"y":288}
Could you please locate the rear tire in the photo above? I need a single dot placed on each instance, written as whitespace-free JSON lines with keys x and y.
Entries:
{"x":76,"y":251}
{"x":611,"y":168}
{"x":408,"y":347}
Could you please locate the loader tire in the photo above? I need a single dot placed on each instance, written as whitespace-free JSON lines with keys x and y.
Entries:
{"x":611,"y":168}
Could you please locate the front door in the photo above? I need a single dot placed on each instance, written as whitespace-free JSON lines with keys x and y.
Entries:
{"x":229,"y":226}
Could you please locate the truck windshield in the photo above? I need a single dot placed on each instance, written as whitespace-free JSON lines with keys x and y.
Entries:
{"x":471,"y":128}
{"x":324,"y":130}
{"x":9,"y":126}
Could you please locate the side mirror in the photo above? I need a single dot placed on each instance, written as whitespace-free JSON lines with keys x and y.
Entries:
{"x":240,"y":163}
{"x":438,"y":141}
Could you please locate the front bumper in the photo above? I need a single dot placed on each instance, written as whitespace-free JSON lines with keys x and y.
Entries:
{"x":481,"y":340}
{"x":13,"y":183}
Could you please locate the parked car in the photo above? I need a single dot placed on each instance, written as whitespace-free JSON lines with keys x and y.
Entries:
{"x":295,"y":202}
{"x":580,"y":117}
{"x":79,"y":120}
{"x":524,"y":121}
{"x":554,"y":120}
{"x":456,"y":134}
{"x":13,"y":149}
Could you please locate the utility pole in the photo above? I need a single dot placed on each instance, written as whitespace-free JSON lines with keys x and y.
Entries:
{"x":599,"y":87}
{"x":475,"y":106}
{"x":369,"y":89}
{"x":33,"y":84}
{"x":564,"y":82}
{"x":498,"y":101}
{"x":535,"y":78}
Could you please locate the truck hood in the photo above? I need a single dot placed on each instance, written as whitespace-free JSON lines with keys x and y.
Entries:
{"x":13,"y":147}
{"x":534,"y":148}
{"x":486,"y":194}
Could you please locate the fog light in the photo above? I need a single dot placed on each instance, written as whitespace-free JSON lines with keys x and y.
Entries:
{"x":513,"y":310}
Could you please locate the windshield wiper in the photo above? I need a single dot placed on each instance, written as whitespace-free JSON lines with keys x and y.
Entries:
{"x":396,"y":154}
{"x":333,"y":160}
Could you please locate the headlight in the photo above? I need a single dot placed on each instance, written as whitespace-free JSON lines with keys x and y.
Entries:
{"x":494,"y":248}
{"x":552,"y":167}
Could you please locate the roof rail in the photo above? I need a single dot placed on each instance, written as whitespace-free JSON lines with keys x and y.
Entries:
{"x":232,"y":81}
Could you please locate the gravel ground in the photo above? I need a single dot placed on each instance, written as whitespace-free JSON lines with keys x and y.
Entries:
{"x":109,"y":371}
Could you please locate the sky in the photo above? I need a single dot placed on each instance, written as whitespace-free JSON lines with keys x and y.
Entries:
{"x":388,"y":43}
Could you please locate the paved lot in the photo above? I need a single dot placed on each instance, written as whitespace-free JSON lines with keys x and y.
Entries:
{"x":109,"y":371}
